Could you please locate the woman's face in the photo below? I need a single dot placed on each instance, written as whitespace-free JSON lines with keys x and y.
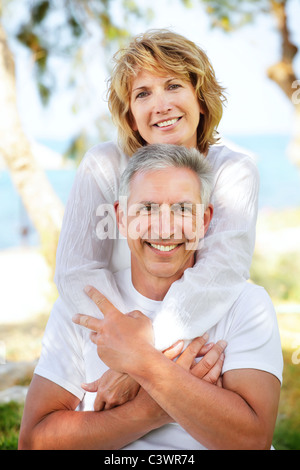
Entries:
{"x":165,"y":109}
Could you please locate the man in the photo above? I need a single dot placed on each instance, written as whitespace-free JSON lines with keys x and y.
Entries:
{"x":174,"y":409}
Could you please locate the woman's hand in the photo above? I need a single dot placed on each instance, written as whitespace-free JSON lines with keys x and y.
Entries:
{"x":209,"y":368}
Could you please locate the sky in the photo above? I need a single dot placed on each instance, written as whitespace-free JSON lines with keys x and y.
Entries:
{"x":255,"y":105}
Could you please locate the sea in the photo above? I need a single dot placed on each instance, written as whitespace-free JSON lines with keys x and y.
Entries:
{"x":279,"y":185}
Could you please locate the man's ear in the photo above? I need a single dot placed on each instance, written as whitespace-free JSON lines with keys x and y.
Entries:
{"x":207,"y":216}
{"x":121,"y":218}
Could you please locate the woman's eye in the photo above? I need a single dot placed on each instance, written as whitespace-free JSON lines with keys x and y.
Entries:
{"x":174,"y":86}
{"x":142,"y":94}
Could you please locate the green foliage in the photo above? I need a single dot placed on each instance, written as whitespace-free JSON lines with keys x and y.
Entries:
{"x":60,"y":27}
{"x":287,"y":432}
{"x":230,"y":15}
{"x":10,"y":419}
{"x":277,"y":274}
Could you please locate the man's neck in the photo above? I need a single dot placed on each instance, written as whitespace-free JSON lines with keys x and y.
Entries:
{"x":151,"y":286}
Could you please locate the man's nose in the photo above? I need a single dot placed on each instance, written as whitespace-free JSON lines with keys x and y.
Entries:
{"x":165,"y":222}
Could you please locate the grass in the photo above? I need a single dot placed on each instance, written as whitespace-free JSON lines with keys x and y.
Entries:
{"x":287,"y":432}
{"x":10,"y":419}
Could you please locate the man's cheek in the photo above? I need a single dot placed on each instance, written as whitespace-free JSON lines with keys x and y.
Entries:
{"x":138,"y":227}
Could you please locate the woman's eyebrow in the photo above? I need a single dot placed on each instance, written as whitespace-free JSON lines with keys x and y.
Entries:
{"x":146,"y":86}
{"x":143,"y":87}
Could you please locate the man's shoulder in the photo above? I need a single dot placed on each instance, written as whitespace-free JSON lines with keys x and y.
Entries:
{"x":253,"y":303}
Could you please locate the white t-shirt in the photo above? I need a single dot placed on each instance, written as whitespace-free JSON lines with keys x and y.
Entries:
{"x":69,"y":358}
{"x":200,"y":298}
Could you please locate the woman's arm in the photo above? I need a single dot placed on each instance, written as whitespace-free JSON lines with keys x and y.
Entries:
{"x":204,"y":294}
{"x":84,"y":252}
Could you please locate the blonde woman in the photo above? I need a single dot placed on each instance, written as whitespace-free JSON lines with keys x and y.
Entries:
{"x":163,"y":89}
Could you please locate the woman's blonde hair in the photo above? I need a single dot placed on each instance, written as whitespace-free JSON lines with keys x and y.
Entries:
{"x":167,"y":52}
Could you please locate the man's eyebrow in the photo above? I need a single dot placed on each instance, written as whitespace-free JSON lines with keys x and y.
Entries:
{"x":148,"y":203}
{"x":180,"y":203}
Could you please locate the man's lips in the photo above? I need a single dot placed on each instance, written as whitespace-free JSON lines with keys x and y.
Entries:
{"x":164,"y":248}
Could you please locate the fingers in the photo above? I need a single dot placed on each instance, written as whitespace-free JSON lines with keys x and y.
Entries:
{"x":90,"y":387}
{"x":174,"y":350}
{"x":87,"y":321}
{"x":210,"y":367}
{"x":188,"y":356}
{"x":104,"y":305}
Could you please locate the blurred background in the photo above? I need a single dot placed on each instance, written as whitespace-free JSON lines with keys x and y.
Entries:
{"x":55,"y":59}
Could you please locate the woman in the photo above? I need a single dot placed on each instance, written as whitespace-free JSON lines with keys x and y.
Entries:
{"x":163,"y":89}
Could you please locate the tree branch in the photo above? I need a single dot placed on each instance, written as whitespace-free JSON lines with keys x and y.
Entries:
{"x":283,"y":72}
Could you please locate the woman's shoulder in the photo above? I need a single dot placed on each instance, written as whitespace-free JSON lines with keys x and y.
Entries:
{"x":220,"y":154}
{"x":105,"y":150}
{"x":233,"y":161}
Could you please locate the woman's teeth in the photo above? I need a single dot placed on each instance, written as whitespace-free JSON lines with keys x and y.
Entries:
{"x":167,"y":123}
{"x":163,"y":247}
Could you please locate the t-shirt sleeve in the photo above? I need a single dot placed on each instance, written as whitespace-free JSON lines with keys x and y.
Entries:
{"x":253,"y":335}
{"x":61,"y":359}
{"x":207,"y":291}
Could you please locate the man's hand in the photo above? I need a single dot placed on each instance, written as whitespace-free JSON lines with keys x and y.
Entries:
{"x":114,"y":389}
{"x":120,"y":339}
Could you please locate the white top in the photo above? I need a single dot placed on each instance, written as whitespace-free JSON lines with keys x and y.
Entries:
{"x":69,"y":358}
{"x":206,"y":291}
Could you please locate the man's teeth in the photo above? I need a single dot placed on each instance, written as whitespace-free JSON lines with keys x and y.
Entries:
{"x":167,"y":123}
{"x":163,"y":247}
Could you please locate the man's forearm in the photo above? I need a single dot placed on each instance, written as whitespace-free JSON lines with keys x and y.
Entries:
{"x":216,"y":417}
{"x":111,"y":429}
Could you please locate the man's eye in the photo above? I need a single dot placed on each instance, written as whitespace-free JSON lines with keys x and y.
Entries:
{"x":183,"y":209}
{"x":145,"y":209}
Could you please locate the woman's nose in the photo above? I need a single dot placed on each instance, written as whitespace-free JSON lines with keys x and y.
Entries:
{"x":162,"y":104}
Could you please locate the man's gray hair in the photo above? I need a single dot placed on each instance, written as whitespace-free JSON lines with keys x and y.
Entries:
{"x":160,"y":156}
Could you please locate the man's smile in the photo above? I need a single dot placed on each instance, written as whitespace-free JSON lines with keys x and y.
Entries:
{"x":164,"y":248}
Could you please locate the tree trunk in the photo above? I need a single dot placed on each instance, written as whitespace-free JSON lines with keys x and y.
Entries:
{"x":41,"y":203}
{"x":283,"y":74}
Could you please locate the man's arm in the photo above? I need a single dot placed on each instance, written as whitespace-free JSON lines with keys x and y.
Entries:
{"x":51,"y":422}
{"x":241,"y":415}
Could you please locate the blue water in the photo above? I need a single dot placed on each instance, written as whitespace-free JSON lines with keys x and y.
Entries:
{"x":280,"y":186}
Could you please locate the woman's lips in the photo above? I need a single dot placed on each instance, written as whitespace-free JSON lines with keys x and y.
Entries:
{"x":167,"y":123}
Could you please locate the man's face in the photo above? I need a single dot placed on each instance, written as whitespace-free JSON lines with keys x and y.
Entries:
{"x":164,"y":221}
